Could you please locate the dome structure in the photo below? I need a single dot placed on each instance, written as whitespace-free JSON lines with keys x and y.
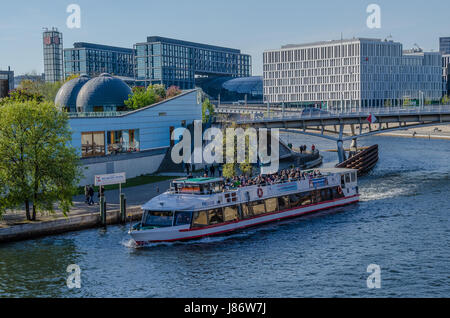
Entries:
{"x":66,"y":98}
{"x":103,"y":93}
{"x":245,"y":85}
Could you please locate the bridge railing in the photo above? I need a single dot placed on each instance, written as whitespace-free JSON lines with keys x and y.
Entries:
{"x":338,"y":113}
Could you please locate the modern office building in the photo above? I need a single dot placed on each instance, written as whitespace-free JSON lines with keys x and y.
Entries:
{"x":356,"y":72}
{"x":174,"y":62}
{"x":446,"y":75}
{"x":95,"y":59}
{"x":53,"y":55}
{"x":444,"y":45}
{"x":6,"y":82}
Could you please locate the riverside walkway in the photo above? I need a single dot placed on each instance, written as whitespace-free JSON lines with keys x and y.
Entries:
{"x":14,"y":225}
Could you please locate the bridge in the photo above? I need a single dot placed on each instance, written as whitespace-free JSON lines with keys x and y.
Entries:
{"x":339,"y":125}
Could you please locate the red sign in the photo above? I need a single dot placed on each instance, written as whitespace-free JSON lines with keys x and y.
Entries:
{"x":47,"y":40}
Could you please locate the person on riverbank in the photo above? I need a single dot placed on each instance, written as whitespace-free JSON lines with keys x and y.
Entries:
{"x":91,"y":195}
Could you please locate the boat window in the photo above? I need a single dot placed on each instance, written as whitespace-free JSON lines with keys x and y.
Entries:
{"x":258,"y":207}
{"x":316,"y":196}
{"x":300,"y":199}
{"x":336,"y":194}
{"x":158,"y":219}
{"x":283,"y":203}
{"x":215,"y":216}
{"x":190,"y":189}
{"x":246,"y":213}
{"x":347,"y":178}
{"x":343,"y":181}
{"x":231,"y":213}
{"x":271,"y":205}
{"x":182,"y":218}
{"x":353,"y":176}
{"x":295,"y":200}
{"x":325,"y":194}
{"x":200,"y":219}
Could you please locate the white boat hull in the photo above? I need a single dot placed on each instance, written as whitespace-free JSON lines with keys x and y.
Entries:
{"x":181,"y":233}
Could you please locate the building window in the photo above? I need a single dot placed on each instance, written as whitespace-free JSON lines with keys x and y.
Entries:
{"x":120,"y":141}
{"x":92,"y":144}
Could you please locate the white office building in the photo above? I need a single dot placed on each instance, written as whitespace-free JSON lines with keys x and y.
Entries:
{"x":446,"y":74}
{"x":356,"y":72}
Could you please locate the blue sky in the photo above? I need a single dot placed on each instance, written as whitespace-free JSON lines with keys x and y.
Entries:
{"x":250,"y":25}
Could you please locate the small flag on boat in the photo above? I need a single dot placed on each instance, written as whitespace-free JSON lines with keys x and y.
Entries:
{"x":372,"y":119}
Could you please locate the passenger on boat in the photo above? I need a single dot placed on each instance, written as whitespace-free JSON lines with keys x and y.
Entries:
{"x":289,"y":175}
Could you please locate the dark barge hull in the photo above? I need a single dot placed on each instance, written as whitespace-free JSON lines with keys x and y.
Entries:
{"x":364,"y":161}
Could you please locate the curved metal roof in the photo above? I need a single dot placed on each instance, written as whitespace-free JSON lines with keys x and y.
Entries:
{"x":105,"y":90}
{"x":67,"y":94}
{"x":245,"y":85}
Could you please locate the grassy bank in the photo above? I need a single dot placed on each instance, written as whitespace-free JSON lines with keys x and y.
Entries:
{"x":133,"y":182}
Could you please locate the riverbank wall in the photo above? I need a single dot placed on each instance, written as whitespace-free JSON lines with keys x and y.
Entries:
{"x":32,"y":230}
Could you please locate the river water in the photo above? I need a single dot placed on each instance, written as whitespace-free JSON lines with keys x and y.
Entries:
{"x":401,"y":224}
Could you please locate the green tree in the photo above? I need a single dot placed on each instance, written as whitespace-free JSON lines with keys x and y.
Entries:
{"x":140,"y":97}
{"x":47,"y":90}
{"x":207,"y":110}
{"x":37,"y":165}
{"x":229,"y":170}
{"x":173,"y":91}
{"x":158,"y":90}
{"x":20,"y":95}
{"x":445,"y":100}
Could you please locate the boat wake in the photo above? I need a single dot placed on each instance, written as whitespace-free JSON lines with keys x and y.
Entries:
{"x":374,"y":195}
{"x":130,"y":243}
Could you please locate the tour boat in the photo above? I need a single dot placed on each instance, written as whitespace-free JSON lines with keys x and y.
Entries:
{"x":199,"y":207}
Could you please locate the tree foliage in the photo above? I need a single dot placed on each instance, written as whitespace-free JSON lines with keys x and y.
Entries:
{"x":37,"y":165}
{"x":142,"y":97}
{"x":20,"y":96}
{"x":207,"y":110}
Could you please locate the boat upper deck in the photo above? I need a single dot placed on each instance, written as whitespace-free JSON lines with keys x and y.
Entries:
{"x":201,"y":193}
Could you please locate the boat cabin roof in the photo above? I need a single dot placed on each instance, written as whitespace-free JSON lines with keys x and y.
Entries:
{"x":198,"y":180}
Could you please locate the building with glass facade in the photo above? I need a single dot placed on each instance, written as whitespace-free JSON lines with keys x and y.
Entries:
{"x":95,"y":59}
{"x":231,"y":89}
{"x":446,"y":74}
{"x":6,"y":82}
{"x":444,"y":45}
{"x":174,"y":62}
{"x":356,"y":72}
{"x":53,"y":55}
